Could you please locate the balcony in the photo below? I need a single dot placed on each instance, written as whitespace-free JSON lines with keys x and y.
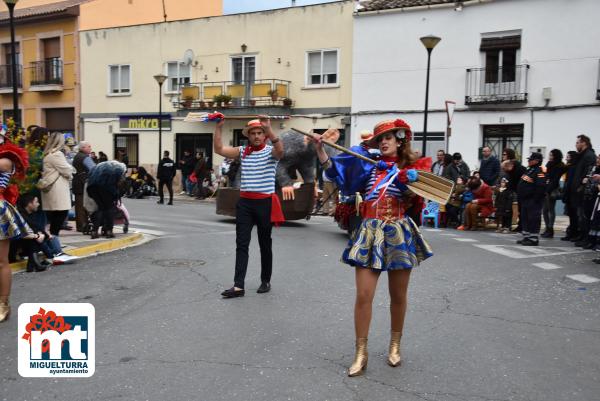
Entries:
{"x":255,"y":94}
{"x":47,"y":75}
{"x":496,"y":85}
{"x":6,"y":81}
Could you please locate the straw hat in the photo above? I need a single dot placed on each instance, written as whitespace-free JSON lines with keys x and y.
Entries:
{"x":400,"y":127}
{"x":252,"y":124}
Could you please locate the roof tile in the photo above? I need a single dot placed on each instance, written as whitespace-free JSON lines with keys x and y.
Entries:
{"x":375,"y":5}
{"x":43,"y":9}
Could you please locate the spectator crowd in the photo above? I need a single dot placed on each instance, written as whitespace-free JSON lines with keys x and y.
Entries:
{"x":506,"y":191}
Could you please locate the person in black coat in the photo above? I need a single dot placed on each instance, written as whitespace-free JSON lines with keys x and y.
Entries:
{"x":489,"y":169}
{"x":449,"y":170}
{"x":165,"y":174}
{"x":555,"y":168}
{"x":586,"y":158}
{"x":531,"y":190}
{"x":186,"y":164}
{"x":513,"y":170}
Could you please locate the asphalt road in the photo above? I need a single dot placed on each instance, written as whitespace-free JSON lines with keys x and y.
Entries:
{"x":487,"y":320}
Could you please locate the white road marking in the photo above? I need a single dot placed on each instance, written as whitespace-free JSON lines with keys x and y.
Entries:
{"x":432,"y":230}
{"x":583,"y":278}
{"x":547,"y":266}
{"x":465,"y":239}
{"x":151,"y":232}
{"x":449,"y":235}
{"x":522,"y":252}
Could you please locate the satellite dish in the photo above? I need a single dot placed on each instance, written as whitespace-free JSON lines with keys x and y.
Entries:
{"x":188,"y":57}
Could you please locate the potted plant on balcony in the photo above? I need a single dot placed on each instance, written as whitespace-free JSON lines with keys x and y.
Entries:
{"x":226,"y":99}
{"x":287,"y":102}
{"x":217,"y":100}
{"x":274,"y":95}
{"x":187,"y":101}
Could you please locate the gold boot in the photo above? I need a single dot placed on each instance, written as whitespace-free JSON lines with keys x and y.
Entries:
{"x":394,"y":358}
{"x":359,"y":365}
{"x":4,"y":311}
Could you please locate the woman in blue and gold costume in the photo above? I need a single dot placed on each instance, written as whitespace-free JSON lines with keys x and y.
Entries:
{"x":13,"y":162}
{"x":387,"y":238}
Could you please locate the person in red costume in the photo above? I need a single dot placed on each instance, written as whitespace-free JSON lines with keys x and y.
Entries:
{"x":387,"y":239}
{"x":258,"y":204}
{"x":482,"y":203}
{"x":13,"y":163}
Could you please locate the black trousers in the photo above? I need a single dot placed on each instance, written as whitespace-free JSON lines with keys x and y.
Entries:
{"x":531,"y":217}
{"x":571,"y":209}
{"x":56,"y":219}
{"x":105,"y":214}
{"x":161,"y":194}
{"x":250,"y":212}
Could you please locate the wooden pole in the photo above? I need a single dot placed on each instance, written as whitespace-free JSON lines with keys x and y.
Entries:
{"x":338,"y":147}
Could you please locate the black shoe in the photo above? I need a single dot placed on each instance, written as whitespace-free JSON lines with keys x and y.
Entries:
{"x":170,"y":203}
{"x":32,"y":265}
{"x":520,"y":242}
{"x":566,"y":238}
{"x":109,"y":234}
{"x":548,"y":234}
{"x":264,"y":287}
{"x":233,"y":293}
{"x":160,"y":202}
{"x":597,"y":261}
{"x":583,"y":243}
{"x":589,"y":245}
{"x":530,"y":242}
{"x":576,"y":239}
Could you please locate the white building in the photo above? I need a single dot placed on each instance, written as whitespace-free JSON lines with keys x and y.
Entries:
{"x":523,"y":73}
{"x":297,"y":52}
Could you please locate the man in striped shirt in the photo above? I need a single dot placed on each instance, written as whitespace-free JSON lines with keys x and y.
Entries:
{"x":258,"y":202}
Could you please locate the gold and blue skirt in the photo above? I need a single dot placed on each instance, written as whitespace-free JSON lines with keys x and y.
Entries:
{"x":387,"y":245}
{"x":12,"y":224}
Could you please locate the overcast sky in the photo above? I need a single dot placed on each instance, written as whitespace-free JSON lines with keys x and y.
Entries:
{"x":244,"y":6}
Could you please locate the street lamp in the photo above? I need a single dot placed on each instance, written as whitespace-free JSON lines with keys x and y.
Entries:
{"x":16,"y":114}
{"x":429,"y":42}
{"x":160,"y":78}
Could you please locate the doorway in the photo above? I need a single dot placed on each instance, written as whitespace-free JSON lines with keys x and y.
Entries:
{"x":195,"y":143}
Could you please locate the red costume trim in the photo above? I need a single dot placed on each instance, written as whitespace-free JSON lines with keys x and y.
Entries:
{"x":251,"y":148}
{"x":17,"y":155}
{"x":277,"y":216}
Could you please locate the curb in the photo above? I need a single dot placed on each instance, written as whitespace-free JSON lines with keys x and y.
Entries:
{"x":88,"y":250}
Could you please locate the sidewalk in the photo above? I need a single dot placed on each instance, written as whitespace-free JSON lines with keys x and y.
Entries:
{"x":76,"y":244}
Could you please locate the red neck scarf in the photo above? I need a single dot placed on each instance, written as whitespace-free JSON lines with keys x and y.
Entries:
{"x":389,"y":159}
{"x":251,"y":148}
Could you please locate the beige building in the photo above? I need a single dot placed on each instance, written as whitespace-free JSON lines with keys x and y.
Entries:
{"x":95,"y":14}
{"x":302,"y":53}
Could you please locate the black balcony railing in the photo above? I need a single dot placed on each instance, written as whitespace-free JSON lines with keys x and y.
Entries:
{"x":47,"y":72}
{"x":6,"y":80}
{"x":257,"y":93}
{"x":497,"y":85}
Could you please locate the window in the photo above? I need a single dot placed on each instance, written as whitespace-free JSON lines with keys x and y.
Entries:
{"x":127,"y":145}
{"x":7,"y":53}
{"x":500,"y":58}
{"x":178,"y":74}
{"x":322,"y":68}
{"x":62,"y":120}
{"x":120,"y":79}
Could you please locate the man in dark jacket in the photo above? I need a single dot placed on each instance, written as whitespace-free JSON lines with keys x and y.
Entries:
{"x":489,"y":170}
{"x":461,"y":166}
{"x":165,"y":174}
{"x":531,"y":190}
{"x":83,"y":164}
{"x":586,"y":158}
{"x":186,"y":164}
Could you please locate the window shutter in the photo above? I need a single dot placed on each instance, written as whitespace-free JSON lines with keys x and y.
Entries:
{"x":125,"y":79}
{"x":504,"y":42}
{"x":52,"y":48}
{"x":114,"y":79}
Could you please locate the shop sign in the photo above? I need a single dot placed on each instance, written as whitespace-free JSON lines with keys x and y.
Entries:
{"x":144,"y":123}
